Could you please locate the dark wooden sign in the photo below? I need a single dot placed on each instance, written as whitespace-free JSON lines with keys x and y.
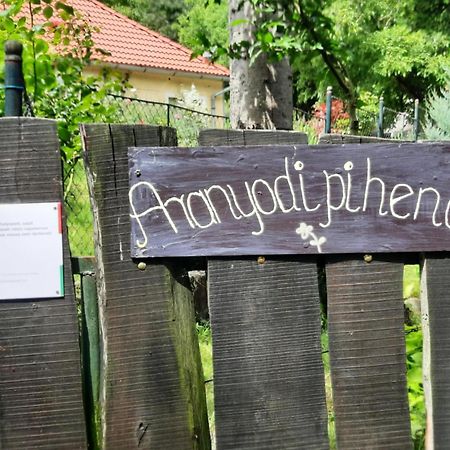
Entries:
{"x":289,"y":199}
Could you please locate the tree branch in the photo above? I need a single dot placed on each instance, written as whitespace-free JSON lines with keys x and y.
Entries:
{"x":336,"y":68}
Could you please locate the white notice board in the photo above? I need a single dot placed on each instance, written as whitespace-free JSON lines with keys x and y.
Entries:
{"x":31,"y":252}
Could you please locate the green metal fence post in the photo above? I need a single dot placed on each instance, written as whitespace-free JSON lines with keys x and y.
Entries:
{"x":14,"y":82}
{"x":380,"y":132}
{"x":90,"y":344}
{"x":329,"y":105}
{"x":416,"y":119}
{"x":168,"y":114}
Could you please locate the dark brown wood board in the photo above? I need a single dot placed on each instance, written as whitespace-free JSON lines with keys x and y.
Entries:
{"x":367,"y":353}
{"x":436,"y":331}
{"x":152,"y":393}
{"x":225,"y":201}
{"x":334,"y":138}
{"x":269,"y":389}
{"x":251,"y":137}
{"x":268,"y":376}
{"x":41,"y":405}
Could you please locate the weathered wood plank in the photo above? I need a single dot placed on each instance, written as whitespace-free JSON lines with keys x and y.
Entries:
{"x":352,"y":139}
{"x":268,"y":375}
{"x":250,"y":137}
{"x":436,"y":351}
{"x":226,"y":201}
{"x":367,"y":353}
{"x":41,"y":402}
{"x":152,"y":394}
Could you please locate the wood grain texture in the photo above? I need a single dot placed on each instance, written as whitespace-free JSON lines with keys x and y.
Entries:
{"x":152,"y":394}
{"x":250,"y":137}
{"x":436,"y":295}
{"x":352,"y":139}
{"x":41,"y":403}
{"x":268,"y":376}
{"x":367,"y":353}
{"x":226,"y":201}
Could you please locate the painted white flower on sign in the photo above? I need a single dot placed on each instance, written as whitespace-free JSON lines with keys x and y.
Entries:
{"x":306,"y":232}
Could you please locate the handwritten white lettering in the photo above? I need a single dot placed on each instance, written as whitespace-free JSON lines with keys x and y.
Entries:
{"x":326,"y":193}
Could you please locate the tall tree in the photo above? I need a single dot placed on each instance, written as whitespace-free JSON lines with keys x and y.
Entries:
{"x":364,"y":49}
{"x":203,"y":25}
{"x":261,"y":89}
{"x":368,"y":46}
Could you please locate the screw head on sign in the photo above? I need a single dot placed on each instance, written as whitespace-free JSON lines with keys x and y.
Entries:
{"x":261,"y":260}
{"x":142,"y":265}
{"x":368,"y":258}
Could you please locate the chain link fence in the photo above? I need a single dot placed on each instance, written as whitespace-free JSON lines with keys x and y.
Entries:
{"x":188,"y":122}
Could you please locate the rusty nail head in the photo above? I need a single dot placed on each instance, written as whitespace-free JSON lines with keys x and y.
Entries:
{"x":142,"y":265}
{"x":261,"y":260}
{"x":368,"y":258}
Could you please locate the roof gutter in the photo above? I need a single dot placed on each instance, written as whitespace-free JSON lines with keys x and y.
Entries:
{"x":132,"y":68}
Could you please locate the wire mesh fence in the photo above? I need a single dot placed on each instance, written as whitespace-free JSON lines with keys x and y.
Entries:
{"x":188,"y":122}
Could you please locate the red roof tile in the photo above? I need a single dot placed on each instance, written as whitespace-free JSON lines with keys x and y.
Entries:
{"x":130,"y":43}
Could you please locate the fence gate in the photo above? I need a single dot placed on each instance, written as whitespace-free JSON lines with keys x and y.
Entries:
{"x":274,"y":223}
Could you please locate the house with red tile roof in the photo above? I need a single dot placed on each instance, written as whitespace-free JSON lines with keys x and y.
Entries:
{"x":158,"y":68}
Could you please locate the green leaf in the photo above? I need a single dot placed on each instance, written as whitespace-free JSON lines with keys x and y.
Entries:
{"x":65,"y":7}
{"x":48,"y":12}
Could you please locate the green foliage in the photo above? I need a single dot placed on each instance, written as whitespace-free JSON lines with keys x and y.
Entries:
{"x":398,"y":50}
{"x":158,"y":15}
{"x":205,"y":343}
{"x":58,"y":49}
{"x":438,"y":121}
{"x":415,"y":384}
{"x":411,"y":281}
{"x":54,"y":78}
{"x":300,"y":123}
{"x":414,"y":344}
{"x":204,"y":26}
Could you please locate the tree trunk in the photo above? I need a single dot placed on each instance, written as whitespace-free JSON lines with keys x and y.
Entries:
{"x":261,"y":92}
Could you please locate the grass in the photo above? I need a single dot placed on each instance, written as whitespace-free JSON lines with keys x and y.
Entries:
{"x":413,"y":337}
{"x":411,"y":281}
{"x":205,"y":343}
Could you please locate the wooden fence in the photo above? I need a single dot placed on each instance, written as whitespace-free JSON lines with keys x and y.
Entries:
{"x":143,"y":384}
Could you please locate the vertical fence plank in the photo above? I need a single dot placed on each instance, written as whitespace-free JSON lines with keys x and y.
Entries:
{"x":40,"y":378}
{"x":152,"y":392}
{"x":367,"y":346}
{"x":436,"y":334}
{"x":268,"y":374}
{"x":367,"y":353}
